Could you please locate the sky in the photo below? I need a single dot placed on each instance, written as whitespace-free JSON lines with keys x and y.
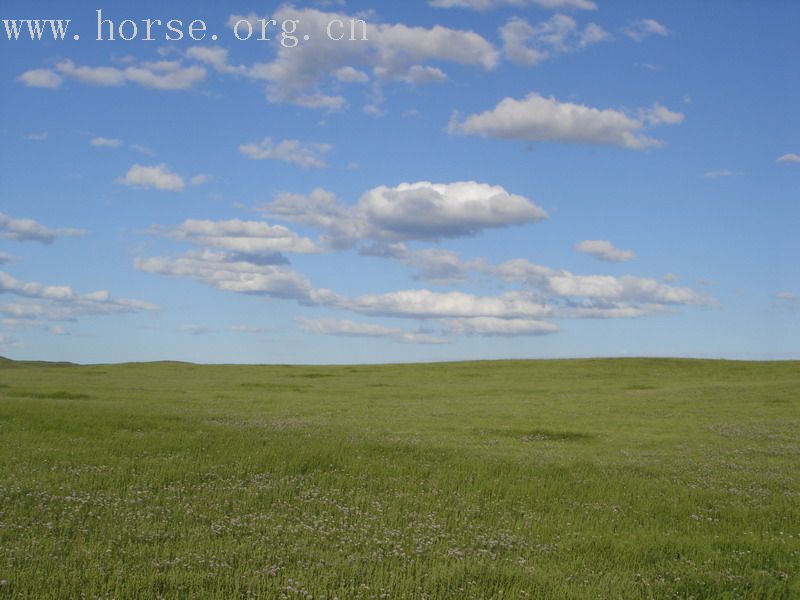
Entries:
{"x":478,"y":179}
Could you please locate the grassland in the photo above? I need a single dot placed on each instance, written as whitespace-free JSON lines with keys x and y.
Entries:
{"x":548,"y":479}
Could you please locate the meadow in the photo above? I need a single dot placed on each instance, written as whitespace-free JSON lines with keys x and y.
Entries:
{"x":629,"y":478}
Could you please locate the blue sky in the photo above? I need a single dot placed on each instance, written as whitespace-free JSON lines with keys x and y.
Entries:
{"x":479,"y":179}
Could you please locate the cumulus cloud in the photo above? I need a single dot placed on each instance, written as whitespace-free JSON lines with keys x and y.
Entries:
{"x":200,"y":179}
{"x":215,"y":57}
{"x":660,"y":115}
{"x":393,"y":52}
{"x":28,"y":230}
{"x":419,"y":75}
{"x":157,"y":177}
{"x":102,"y":142}
{"x":483,"y":5}
{"x":41,"y":78}
{"x":346,"y":328}
{"x":598,"y":290}
{"x":492,"y":326}
{"x":537,"y":119}
{"x":546,"y":294}
{"x":527,"y":44}
{"x":246,"y":237}
{"x":434,"y":265}
{"x":350,"y":75}
{"x":410,"y":211}
{"x":431,"y":211}
{"x":61,"y":303}
{"x":427,"y":304}
{"x":161,"y":75}
{"x":320,"y":210}
{"x":231,"y":273}
{"x":789,"y":158}
{"x":305,"y":155}
{"x":644,"y":28}
{"x":605,"y":250}
{"x":562,"y":293}
{"x":310,"y":76}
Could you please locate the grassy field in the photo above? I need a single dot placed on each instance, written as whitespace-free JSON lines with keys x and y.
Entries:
{"x":548,"y":479}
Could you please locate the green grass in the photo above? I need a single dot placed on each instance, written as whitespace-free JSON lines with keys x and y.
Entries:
{"x":550,"y":479}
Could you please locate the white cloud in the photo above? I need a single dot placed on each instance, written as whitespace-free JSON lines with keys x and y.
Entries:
{"x":165,"y":75}
{"x":483,"y":5}
{"x":161,"y":75}
{"x":560,"y":292}
{"x":346,"y":328}
{"x":200,"y":179}
{"x":58,"y":330}
{"x":789,"y":158}
{"x":157,"y":177}
{"x":426,"y":210}
{"x":28,"y":230}
{"x":492,"y":326}
{"x":394,"y":52}
{"x":660,"y":115}
{"x":101,"y":142}
{"x":61,"y":303}
{"x":41,"y":78}
{"x":717,"y":174}
{"x":246,"y":237}
{"x":215,"y":57}
{"x":435,"y":265}
{"x":644,"y":28}
{"x":529,"y":45}
{"x":6,"y":258}
{"x":410,"y":211}
{"x":597,"y":289}
{"x":536,"y":118}
{"x":307,"y":156}
{"x":321,"y":210}
{"x":249,"y":262}
{"x":232,"y":274}
{"x":425,"y":304}
{"x":350,"y":75}
{"x":96,"y":76}
{"x":605,"y":250}
{"x":419,"y":75}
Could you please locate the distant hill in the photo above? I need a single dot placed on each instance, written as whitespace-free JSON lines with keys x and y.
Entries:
{"x":7,"y":363}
